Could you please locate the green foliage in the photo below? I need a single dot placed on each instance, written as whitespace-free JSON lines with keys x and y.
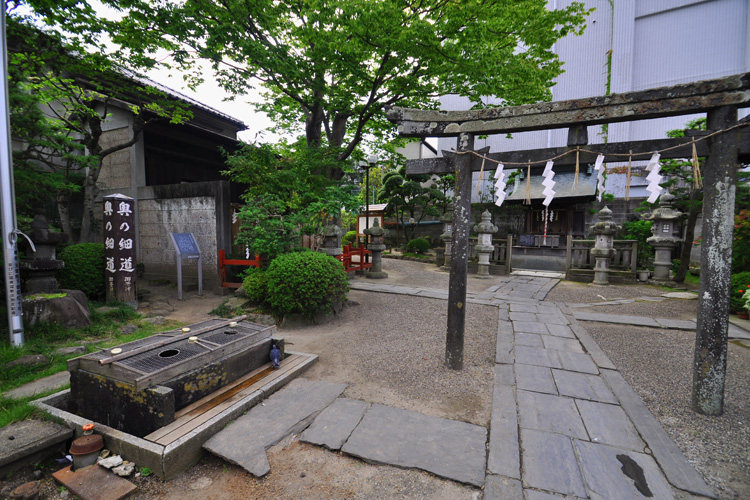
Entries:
{"x":418,"y":245}
{"x":739,"y":291}
{"x":329,"y":68}
{"x":349,"y":237}
{"x":84,"y":269}
{"x":288,"y":195}
{"x":305,"y":283}
{"x":255,"y":285}
{"x":13,"y":410}
{"x":224,"y":311}
{"x":146,"y":471}
{"x":407,"y":197}
{"x":639,"y":230}
{"x":741,"y":242}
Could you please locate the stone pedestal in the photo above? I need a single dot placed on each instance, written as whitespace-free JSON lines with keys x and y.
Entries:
{"x":664,"y":239}
{"x":447,"y":220}
{"x":376,"y":245}
{"x":603,"y":249}
{"x":484,"y":248}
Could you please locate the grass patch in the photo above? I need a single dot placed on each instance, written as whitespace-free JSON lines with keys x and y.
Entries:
{"x":225,"y":311}
{"x":419,"y":256}
{"x":103,"y":332}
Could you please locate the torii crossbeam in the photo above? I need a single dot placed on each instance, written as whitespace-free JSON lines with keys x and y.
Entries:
{"x":719,"y":98}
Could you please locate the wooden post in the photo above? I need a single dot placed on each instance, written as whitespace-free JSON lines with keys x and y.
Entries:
{"x":710,"y":361}
{"x":454,"y":341}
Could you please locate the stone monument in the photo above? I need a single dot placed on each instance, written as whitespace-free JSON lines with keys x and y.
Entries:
{"x":376,"y":245}
{"x":663,"y":229}
{"x":484,"y":248}
{"x":603,"y":249}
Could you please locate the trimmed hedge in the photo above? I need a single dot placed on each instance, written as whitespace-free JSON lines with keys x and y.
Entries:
{"x":349,"y":237}
{"x":84,"y":269}
{"x":305,"y":283}
{"x":255,"y":285}
{"x":418,"y":245}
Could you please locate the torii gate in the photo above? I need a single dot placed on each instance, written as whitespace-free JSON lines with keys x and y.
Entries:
{"x":719,"y":98}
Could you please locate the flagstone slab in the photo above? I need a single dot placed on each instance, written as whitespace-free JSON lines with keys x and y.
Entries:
{"x":335,"y":424}
{"x":671,"y":460}
{"x":560,"y":330}
{"x":530,"y":327}
{"x":535,"y":379}
{"x":536,"y":356}
{"x":608,"y":424}
{"x":583,"y":386}
{"x":529,"y":340}
{"x":562,"y":344}
{"x":287,"y":411}
{"x":616,"y":474}
{"x":446,"y":448}
{"x":676,"y":324}
{"x":504,"y":456}
{"x":615,"y":318}
{"x":549,"y":463}
{"x":504,"y":348}
{"x":544,"y":412}
{"x":577,"y":362}
{"x":502,"y":488}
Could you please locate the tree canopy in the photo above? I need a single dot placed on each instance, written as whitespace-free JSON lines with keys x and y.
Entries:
{"x":328,"y":67}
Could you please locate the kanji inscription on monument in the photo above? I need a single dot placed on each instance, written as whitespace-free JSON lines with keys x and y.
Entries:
{"x":119,"y":248}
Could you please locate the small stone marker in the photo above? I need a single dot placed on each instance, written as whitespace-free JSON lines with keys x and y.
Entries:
{"x":119,"y":248}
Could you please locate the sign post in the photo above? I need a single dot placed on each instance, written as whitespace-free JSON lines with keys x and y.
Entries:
{"x":187,"y":248}
{"x":119,"y":249}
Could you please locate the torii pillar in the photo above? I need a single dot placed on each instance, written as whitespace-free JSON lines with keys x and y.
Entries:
{"x":454,"y":339}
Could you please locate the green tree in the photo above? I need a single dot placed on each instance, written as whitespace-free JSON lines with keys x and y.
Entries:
{"x":680,"y":181}
{"x":61,"y":96}
{"x":410,"y":197}
{"x":328,"y":67}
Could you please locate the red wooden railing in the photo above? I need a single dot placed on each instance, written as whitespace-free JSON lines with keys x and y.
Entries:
{"x":354,"y":258}
{"x":224,"y":262}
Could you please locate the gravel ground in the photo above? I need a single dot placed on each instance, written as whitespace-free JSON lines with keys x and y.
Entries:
{"x":658,"y":365}
{"x":571,"y":292}
{"x":390,"y":350}
{"x":424,"y":275}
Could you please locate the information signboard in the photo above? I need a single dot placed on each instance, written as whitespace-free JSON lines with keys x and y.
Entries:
{"x":187,"y":248}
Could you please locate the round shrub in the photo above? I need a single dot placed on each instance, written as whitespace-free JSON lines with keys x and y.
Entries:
{"x":255,"y":285}
{"x":740,"y":285}
{"x":349,"y":237}
{"x":84,"y":269}
{"x":418,"y":245}
{"x":305,"y":283}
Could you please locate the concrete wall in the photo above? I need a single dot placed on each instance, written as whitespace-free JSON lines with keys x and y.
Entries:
{"x":198,"y":208}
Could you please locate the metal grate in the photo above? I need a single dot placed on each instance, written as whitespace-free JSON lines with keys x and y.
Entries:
{"x":151,"y":361}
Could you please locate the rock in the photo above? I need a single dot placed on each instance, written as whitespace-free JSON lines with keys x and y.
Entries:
{"x":27,"y":491}
{"x":680,"y":295}
{"x":124,"y":470}
{"x":128,"y":329}
{"x":156,"y":320}
{"x":236,"y":302}
{"x":31,"y":359}
{"x":104,"y":453}
{"x":240,"y":292}
{"x":261,"y":319}
{"x":109,"y":462}
{"x":160,"y":312}
{"x":71,"y":311}
{"x":67,"y":351}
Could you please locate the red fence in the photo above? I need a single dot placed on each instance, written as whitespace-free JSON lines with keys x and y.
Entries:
{"x":224,"y":262}
{"x":354,"y":258}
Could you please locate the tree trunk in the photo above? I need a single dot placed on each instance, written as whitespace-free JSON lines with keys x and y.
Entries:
{"x":687,"y":245}
{"x":63,"y":211}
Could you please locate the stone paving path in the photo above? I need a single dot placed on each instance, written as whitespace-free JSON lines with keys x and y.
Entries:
{"x":564,"y":421}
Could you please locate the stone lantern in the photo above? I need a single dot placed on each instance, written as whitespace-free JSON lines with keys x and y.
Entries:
{"x":376,"y":245}
{"x":447,"y":220}
{"x":603,"y":249}
{"x":42,"y":263}
{"x":664,"y":239}
{"x":332,"y":241}
{"x":484,"y":247}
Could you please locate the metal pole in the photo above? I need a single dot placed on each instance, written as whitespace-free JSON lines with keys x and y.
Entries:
{"x":8,"y":206}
